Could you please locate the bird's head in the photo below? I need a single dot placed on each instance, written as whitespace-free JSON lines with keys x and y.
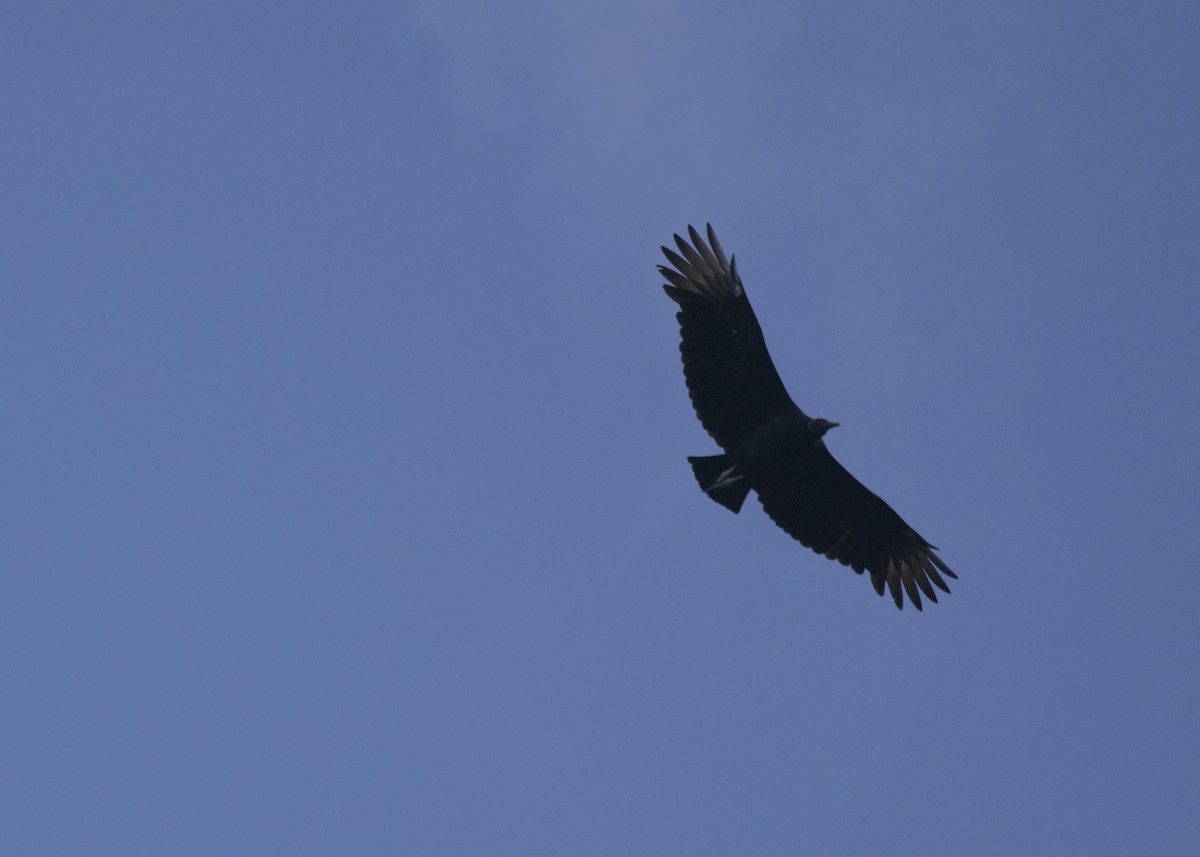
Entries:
{"x":819,"y":426}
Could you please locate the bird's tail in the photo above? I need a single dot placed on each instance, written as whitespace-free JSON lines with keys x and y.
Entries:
{"x":719,"y":480}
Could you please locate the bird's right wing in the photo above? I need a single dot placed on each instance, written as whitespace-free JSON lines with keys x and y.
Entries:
{"x":819,"y":503}
{"x":731,"y":380}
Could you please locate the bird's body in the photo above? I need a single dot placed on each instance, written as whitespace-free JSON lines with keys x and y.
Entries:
{"x":770,"y":445}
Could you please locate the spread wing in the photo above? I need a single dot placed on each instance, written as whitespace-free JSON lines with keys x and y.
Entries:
{"x":821,"y":505}
{"x":731,"y":380}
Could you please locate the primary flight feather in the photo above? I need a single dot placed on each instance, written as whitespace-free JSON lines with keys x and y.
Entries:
{"x":770,"y":445}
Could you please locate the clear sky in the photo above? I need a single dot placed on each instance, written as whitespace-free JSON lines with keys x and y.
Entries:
{"x":345,"y":507}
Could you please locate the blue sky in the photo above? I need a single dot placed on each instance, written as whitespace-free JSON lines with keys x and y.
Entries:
{"x":345,"y":502}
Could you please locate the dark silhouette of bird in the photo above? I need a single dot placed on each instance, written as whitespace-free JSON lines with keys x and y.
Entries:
{"x":770,"y":445}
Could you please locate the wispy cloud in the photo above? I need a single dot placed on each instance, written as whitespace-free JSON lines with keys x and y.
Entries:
{"x":693,"y":99}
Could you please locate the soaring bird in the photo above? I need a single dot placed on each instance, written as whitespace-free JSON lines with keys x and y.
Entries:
{"x":770,"y":445}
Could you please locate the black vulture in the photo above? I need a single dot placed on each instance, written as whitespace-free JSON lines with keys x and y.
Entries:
{"x":771,"y":446}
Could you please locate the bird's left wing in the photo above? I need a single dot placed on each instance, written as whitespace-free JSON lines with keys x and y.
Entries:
{"x":731,"y":380}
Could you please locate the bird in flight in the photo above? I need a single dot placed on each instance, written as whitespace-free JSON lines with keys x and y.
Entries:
{"x":770,"y":445}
